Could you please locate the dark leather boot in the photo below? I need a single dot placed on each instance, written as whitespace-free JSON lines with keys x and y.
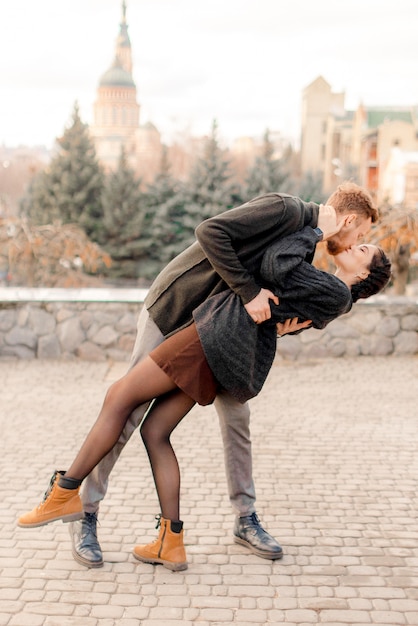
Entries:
{"x":249,"y":532}
{"x":85,"y":545}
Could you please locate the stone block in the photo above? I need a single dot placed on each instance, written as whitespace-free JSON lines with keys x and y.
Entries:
{"x":381,"y":346}
{"x":127,"y":323}
{"x":41,"y":322}
{"x":49,"y":347}
{"x":126,"y":343}
{"x":352,"y":348}
{"x":118,"y":355}
{"x":409,"y":322}
{"x":22,"y":316}
{"x":102,"y":318}
{"x":20,"y":352}
{"x":364,"y":322}
{"x":406,"y":342}
{"x":86,"y":320}
{"x":341,"y":329}
{"x":337,"y":347}
{"x":106,"y":336}
{"x":21,"y":336}
{"x":70,"y":334}
{"x":89,"y":351}
{"x":388,"y":326}
{"x":62,"y":313}
{"x":7,"y":319}
{"x":310,"y":336}
{"x":316,"y":351}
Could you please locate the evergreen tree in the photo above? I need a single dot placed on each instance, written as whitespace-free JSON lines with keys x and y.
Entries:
{"x":268,"y":173}
{"x":210,"y":189}
{"x":309,"y":188}
{"x":123,"y":235}
{"x":165,"y":201}
{"x":70,"y":189}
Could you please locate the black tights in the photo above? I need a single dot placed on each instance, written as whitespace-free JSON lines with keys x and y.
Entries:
{"x":165,"y":414}
{"x":141,"y":384}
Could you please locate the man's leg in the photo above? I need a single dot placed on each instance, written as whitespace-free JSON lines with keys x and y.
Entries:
{"x":234,"y":419}
{"x":85,"y":546}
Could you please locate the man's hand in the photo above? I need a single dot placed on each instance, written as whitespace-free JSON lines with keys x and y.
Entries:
{"x":327,"y":221}
{"x":259,"y":307}
{"x":291,"y":325}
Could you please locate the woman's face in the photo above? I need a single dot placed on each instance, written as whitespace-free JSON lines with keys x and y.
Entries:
{"x":356,"y":260}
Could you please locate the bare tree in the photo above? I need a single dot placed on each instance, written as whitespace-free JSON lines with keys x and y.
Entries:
{"x":53,"y":255}
{"x":397,"y":233}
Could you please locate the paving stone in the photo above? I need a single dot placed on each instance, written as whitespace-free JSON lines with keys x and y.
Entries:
{"x":334,"y":468}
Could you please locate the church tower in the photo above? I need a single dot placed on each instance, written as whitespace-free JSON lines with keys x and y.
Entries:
{"x":116,"y":110}
{"x":123,"y":44}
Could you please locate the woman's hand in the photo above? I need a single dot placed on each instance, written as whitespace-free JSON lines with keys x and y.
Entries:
{"x":291,"y":325}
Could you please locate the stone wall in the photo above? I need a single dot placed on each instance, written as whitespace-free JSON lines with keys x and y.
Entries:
{"x":86,"y":330}
{"x":39,"y":327}
{"x":379,"y":326}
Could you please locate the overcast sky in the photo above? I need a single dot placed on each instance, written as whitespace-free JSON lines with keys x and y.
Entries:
{"x":243,"y":62}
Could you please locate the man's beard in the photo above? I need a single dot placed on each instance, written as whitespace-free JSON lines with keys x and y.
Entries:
{"x":334,"y":246}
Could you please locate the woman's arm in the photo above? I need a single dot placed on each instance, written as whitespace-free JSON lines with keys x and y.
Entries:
{"x":287,"y":254}
{"x":304,"y":291}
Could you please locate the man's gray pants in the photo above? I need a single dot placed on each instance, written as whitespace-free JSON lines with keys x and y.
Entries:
{"x":234,"y":420}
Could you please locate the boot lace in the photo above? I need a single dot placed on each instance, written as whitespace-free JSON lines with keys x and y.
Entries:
{"x":252,"y":520}
{"x":51,"y":484}
{"x":158,"y":519}
{"x":255,"y":519}
{"x":89,"y":530}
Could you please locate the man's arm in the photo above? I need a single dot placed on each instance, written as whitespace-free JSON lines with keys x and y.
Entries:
{"x":223,"y":235}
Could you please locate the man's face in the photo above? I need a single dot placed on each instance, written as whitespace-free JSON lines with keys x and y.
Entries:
{"x":354,"y":230}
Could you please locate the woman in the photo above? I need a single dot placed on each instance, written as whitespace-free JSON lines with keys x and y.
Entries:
{"x":222,"y":348}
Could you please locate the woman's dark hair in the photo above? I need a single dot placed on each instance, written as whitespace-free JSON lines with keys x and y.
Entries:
{"x":378,"y":278}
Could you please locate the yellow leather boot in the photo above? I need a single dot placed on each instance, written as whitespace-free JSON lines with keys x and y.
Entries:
{"x":167,"y":549}
{"x":58,"y":504}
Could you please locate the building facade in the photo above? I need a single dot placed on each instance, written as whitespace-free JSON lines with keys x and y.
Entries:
{"x":337,"y":144}
{"x":319,"y":107}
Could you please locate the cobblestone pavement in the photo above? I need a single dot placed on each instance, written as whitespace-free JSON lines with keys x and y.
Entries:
{"x":335,"y":465}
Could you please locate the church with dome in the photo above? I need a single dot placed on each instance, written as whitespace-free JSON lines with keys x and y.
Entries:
{"x":116,"y":115}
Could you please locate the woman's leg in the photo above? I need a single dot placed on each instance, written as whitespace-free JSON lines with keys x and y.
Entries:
{"x":95,"y":485}
{"x":142,"y":383}
{"x":165,"y":414}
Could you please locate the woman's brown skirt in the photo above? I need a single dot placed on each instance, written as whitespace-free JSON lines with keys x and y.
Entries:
{"x":182,"y":358}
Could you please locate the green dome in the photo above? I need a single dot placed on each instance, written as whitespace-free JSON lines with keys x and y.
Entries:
{"x":116,"y":76}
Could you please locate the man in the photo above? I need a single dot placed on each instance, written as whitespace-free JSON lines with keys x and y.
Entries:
{"x":228,"y":253}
